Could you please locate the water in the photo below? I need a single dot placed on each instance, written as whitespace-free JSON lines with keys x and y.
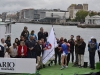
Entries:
{"x":61,"y":31}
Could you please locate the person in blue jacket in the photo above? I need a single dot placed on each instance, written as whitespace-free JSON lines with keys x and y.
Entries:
{"x":64,"y":54}
{"x":32,"y":34}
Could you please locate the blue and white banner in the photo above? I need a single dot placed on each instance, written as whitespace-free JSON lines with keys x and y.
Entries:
{"x":50,"y":45}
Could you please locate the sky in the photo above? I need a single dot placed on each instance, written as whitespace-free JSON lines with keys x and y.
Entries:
{"x":16,"y":5}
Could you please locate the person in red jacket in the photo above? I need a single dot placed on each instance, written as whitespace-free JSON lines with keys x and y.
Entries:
{"x":22,"y":50}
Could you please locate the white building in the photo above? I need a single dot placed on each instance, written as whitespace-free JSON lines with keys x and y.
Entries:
{"x":93,"y":20}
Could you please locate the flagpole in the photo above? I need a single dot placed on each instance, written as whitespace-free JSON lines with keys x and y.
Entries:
{"x":52,"y":18}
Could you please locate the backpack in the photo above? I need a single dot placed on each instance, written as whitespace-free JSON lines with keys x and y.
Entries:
{"x":92,"y":47}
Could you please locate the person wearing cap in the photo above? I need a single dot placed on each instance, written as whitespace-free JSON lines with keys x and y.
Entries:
{"x":25,"y":33}
{"x":32,"y":33}
{"x":89,"y":48}
{"x":92,"y":49}
{"x":42,"y":34}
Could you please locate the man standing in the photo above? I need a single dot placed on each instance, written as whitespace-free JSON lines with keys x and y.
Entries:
{"x":31,"y":47}
{"x":57,"y":54}
{"x":93,"y":46}
{"x":25,"y":33}
{"x":42,"y":34}
{"x":39,"y":52}
{"x":72,"y":42}
{"x":77,"y":43}
{"x":81,"y":51}
{"x":13,"y":50}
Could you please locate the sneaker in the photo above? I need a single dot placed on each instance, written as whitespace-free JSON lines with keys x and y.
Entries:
{"x":66,"y":66}
{"x":62,"y":68}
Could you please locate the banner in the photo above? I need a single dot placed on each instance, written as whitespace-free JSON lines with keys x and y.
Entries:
{"x":17,"y":65}
{"x":50,"y":45}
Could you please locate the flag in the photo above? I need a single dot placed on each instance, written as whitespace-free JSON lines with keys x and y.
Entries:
{"x":50,"y":45}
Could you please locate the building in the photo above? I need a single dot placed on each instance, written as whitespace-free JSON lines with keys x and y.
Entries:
{"x":33,"y":15}
{"x":74,"y":8}
{"x":54,"y":17}
{"x":93,"y":20}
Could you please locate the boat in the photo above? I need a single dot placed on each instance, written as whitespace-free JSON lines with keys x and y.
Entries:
{"x":5,"y":29}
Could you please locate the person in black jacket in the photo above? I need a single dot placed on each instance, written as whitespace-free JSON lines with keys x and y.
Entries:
{"x":25,"y":33}
{"x":72,"y":42}
{"x":31,"y":44}
{"x":57,"y":53}
{"x":8,"y":41}
{"x":81,"y":51}
{"x":39,"y":52}
{"x":42,"y":34}
{"x":1,"y":51}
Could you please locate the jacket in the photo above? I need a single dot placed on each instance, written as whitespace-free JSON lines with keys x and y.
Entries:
{"x":42,"y":35}
{"x":24,"y":50}
{"x":81,"y":48}
{"x":13,"y":53}
{"x":25,"y":34}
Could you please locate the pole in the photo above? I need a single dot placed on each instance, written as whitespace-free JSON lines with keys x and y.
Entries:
{"x":52,"y":19}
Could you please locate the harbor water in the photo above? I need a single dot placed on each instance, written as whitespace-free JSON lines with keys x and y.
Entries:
{"x":60,"y":31}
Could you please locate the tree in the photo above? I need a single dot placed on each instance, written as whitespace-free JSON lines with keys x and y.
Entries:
{"x":80,"y":16}
{"x":93,"y":13}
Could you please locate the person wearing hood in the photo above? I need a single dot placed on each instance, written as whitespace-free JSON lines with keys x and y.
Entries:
{"x":92,"y":49}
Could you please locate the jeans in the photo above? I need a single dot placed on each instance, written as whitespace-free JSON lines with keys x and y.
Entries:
{"x":72,"y":54}
{"x":92,"y":59}
{"x":59,"y":57}
{"x":99,"y":55}
{"x":68,"y":58}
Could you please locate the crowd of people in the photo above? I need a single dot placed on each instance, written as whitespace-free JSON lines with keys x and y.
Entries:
{"x":31,"y":45}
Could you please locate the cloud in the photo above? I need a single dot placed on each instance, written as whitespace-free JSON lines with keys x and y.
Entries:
{"x":16,"y":5}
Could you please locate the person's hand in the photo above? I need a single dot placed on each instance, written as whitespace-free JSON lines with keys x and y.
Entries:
{"x":5,"y":45}
{"x":22,"y":54}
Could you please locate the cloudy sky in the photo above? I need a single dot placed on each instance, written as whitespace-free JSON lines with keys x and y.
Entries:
{"x":16,"y":5}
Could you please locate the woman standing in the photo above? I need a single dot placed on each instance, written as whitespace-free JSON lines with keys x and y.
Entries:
{"x":22,"y":50}
{"x":93,"y":46}
{"x":64,"y":54}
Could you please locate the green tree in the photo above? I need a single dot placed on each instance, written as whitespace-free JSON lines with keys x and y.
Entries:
{"x":93,"y":13}
{"x":80,"y":15}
